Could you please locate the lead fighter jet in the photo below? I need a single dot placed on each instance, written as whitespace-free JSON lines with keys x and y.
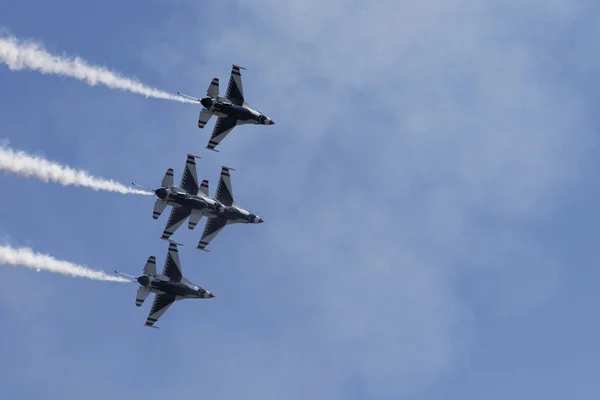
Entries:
{"x":231,"y":110}
{"x":169,"y":286}
{"x":188,"y":199}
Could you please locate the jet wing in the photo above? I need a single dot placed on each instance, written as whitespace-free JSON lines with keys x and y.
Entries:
{"x":172,"y":269}
{"x":235,"y":91}
{"x":222,"y":129}
{"x":189,"y":179}
{"x":177,"y":217}
{"x":161,"y":303}
{"x":211,"y":229}
{"x":224,"y":192}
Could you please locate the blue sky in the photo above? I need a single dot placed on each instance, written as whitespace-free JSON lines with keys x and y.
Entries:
{"x":429,"y":193}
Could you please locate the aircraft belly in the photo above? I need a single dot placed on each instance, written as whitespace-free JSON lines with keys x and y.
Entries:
{"x":176,"y":288}
{"x":194,"y":204}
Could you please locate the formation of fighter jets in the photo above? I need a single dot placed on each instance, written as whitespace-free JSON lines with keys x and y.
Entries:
{"x":191,"y":200}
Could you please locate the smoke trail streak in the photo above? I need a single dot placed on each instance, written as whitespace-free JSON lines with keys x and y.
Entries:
{"x":19,"y":55}
{"x":27,"y":165}
{"x":26,"y":257}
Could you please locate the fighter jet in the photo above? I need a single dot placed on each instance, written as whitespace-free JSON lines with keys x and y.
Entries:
{"x":188,"y":199}
{"x":169,"y":286}
{"x":231,"y":110}
{"x":231,"y":212}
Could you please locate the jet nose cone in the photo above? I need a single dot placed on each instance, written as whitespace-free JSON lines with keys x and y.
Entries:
{"x":210,"y":295}
{"x":260,"y":220}
{"x":271,"y":122}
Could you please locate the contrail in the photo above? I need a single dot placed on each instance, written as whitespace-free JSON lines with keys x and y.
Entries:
{"x":26,"y":257}
{"x":19,"y":55}
{"x":27,"y":165}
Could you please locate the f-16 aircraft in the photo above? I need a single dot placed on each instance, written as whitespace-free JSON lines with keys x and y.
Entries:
{"x":231,"y":110}
{"x":188,"y":199}
{"x":169,"y":286}
{"x":232,"y":212}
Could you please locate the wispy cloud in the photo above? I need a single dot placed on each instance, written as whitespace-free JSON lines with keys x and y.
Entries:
{"x":23,"y":164}
{"x":20,"y":55}
{"x":429,"y":133}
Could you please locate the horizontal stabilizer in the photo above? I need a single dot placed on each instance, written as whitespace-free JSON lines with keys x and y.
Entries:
{"x":168,"y":178}
{"x":213,"y":88}
{"x":159,"y":207}
{"x":141,"y":295}
{"x":195,"y":217}
{"x":203,"y":118}
{"x":204,"y":188}
{"x":150,"y":267}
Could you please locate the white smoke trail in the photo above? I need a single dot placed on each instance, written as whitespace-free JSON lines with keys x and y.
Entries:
{"x":19,"y":55}
{"x":27,"y":165}
{"x":26,"y":257}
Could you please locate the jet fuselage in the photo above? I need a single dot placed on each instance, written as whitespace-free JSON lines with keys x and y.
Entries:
{"x":239,"y":215}
{"x":205,"y":204}
{"x":243,"y":114}
{"x":181,"y":289}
